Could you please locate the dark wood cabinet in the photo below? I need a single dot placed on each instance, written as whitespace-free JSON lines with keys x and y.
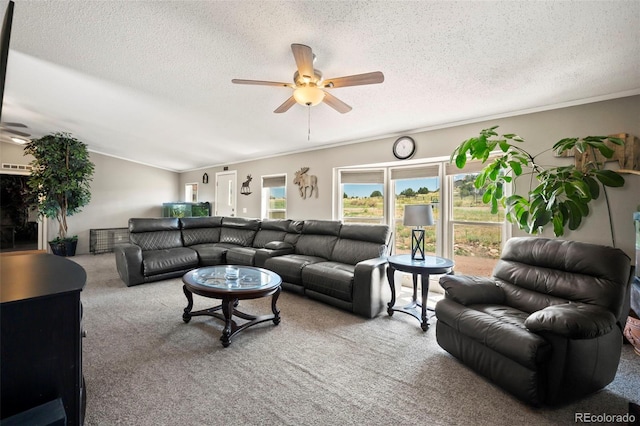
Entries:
{"x":41,"y":341}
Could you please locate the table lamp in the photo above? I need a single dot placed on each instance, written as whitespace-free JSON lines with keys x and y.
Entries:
{"x":418,"y":215}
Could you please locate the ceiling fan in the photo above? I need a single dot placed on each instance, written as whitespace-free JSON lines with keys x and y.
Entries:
{"x":309,"y":86}
{"x":16,"y":135}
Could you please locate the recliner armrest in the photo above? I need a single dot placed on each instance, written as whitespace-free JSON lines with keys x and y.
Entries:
{"x":470,"y":289}
{"x":572,"y":320}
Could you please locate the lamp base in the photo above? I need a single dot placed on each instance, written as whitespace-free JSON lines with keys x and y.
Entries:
{"x":417,"y":244}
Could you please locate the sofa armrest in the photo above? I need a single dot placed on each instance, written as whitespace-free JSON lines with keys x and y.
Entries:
{"x":371,"y":289}
{"x":572,"y":320}
{"x":263,"y":254}
{"x":129,"y":263}
{"x":470,"y":289}
{"x":279,"y":245}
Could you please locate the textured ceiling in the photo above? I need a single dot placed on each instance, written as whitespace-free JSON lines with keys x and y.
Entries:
{"x":150,"y":81}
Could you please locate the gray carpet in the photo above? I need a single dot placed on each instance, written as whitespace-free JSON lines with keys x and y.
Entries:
{"x":144,"y":366}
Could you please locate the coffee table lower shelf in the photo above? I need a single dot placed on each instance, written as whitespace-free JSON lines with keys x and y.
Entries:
{"x":228,"y":307}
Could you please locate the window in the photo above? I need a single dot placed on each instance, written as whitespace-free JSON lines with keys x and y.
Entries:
{"x":274,"y":197}
{"x":191,"y":192}
{"x":363,"y":196}
{"x":464,"y":231}
{"x":475,"y":234}
{"x":415,"y":185}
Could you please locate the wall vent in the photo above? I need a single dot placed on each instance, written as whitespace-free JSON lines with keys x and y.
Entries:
{"x":17,"y":167}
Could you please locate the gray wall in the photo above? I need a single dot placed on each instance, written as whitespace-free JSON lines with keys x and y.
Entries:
{"x":540,"y":130}
{"x":120,"y":189}
{"x":123,"y":189}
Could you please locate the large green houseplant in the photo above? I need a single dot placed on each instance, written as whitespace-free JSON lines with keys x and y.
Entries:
{"x":561,"y":195}
{"x":59,"y":182}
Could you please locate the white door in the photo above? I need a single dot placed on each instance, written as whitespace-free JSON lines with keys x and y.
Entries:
{"x":225,"y":194}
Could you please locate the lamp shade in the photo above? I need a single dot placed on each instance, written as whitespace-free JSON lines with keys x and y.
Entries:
{"x":418,"y":215}
{"x":308,"y":95}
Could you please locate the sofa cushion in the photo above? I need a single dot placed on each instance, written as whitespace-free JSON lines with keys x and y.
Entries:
{"x":569,"y":270}
{"x":238,"y":231}
{"x":210,"y":254}
{"x":353,"y":251}
{"x":266,"y":236}
{"x":498,"y":327}
{"x":200,"y":230}
{"x":162,"y":261}
{"x":290,"y":266}
{"x":241,"y":256}
{"x":155,"y":234}
{"x":334,"y":279}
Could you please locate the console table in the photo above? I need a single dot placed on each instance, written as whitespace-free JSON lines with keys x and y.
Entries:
{"x":41,"y":351}
{"x":404,"y":263}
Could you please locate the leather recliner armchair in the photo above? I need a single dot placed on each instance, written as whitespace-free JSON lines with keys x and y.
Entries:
{"x":547,"y":327}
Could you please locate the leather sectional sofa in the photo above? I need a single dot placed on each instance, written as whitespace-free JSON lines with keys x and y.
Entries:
{"x":339,"y":264}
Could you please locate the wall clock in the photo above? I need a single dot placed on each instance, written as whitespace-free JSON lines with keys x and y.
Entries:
{"x":404,"y":147}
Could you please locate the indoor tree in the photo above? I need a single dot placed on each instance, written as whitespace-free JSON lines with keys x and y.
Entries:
{"x":59,"y":181}
{"x":559,"y":196}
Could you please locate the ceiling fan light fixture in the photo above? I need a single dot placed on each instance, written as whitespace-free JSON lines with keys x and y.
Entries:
{"x":308,"y":95}
{"x":19,"y":140}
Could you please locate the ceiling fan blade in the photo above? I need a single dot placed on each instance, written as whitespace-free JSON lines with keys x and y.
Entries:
{"x":336,"y":103}
{"x":4,"y":123}
{"x":16,"y":132}
{"x":304,"y":59}
{"x":261,"y":82}
{"x":354,"y":80}
{"x":286,"y":105}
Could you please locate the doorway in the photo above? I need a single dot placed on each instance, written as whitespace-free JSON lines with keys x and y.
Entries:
{"x":19,"y":225}
{"x":226,"y":194}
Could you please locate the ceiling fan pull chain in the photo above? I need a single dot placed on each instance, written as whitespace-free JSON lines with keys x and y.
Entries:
{"x":309,"y":124}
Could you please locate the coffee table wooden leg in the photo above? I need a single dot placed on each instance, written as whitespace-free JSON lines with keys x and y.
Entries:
{"x":186,"y":316}
{"x":227,"y":310}
{"x":274,"y":309}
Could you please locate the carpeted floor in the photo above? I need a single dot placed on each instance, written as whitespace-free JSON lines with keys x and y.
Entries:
{"x":321,"y":366}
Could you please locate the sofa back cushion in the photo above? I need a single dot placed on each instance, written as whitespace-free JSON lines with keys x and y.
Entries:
{"x":294,"y":231}
{"x":201,"y":230}
{"x":271,"y":230}
{"x":318,"y":238}
{"x":360,"y":242}
{"x":239,"y":230}
{"x":156,"y":233}
{"x":541,"y":272}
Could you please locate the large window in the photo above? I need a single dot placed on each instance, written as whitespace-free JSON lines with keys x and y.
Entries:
{"x":363,"y":196}
{"x":464,"y":231}
{"x":476,"y":235}
{"x":274,"y":197}
{"x":415,"y":185}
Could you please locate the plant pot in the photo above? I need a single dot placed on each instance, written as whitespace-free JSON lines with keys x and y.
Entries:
{"x":64,"y":247}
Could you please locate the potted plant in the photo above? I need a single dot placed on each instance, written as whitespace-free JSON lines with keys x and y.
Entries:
{"x":59,"y":183}
{"x":562,"y":194}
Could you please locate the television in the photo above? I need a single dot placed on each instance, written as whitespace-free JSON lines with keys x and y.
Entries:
{"x":5,"y":37}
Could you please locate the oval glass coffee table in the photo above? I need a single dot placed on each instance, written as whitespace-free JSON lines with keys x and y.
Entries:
{"x":231,"y":284}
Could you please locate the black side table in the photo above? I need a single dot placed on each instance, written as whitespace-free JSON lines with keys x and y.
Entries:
{"x":404,"y":263}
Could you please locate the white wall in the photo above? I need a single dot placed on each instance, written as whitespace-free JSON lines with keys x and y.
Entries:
{"x":540,"y":130}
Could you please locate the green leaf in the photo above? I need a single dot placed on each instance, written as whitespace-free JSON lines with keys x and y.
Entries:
{"x":594,"y":187}
{"x":486,"y":197}
{"x":461,"y":160}
{"x":609,"y":178}
{"x":517,"y":168}
{"x":558,"y":225}
{"x":504,"y":146}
